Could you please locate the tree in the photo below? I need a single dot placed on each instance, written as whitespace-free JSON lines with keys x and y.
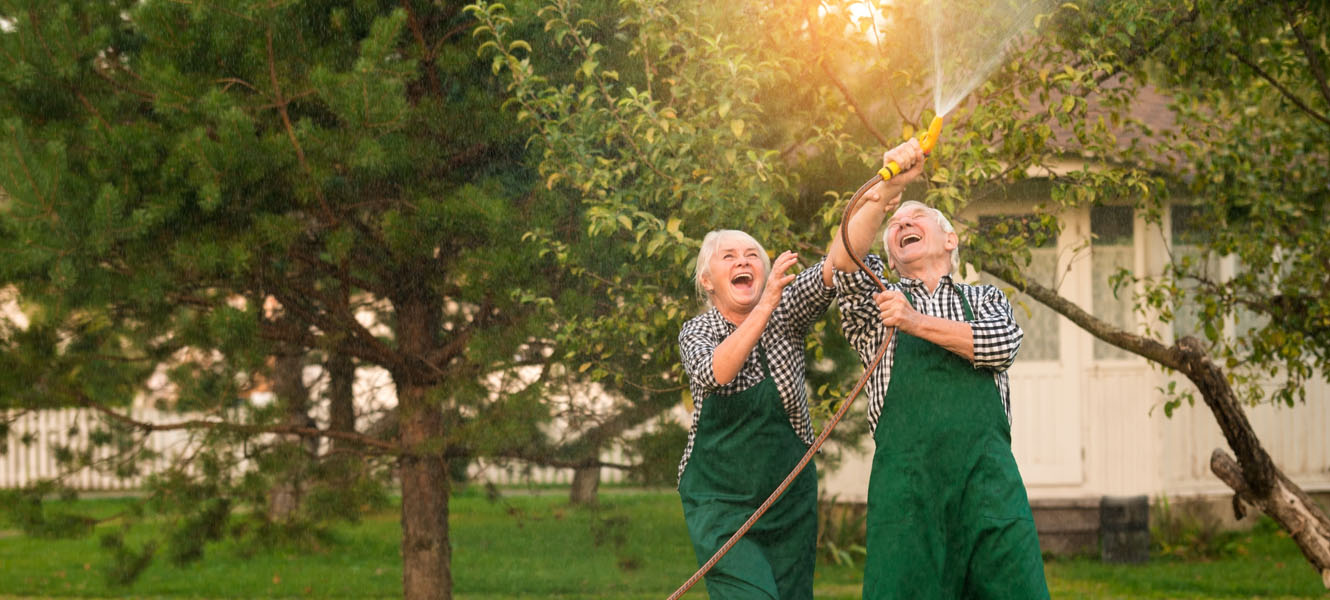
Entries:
{"x":169,"y":168}
{"x":1251,"y":103}
{"x":722,"y":124}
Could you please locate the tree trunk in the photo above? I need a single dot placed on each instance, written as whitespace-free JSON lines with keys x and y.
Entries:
{"x":1253,"y":476}
{"x":1288,"y":505}
{"x":1257,"y":467}
{"x":426,"y":554}
{"x":586,"y":480}
{"x":293,"y":398}
{"x":341,"y":397}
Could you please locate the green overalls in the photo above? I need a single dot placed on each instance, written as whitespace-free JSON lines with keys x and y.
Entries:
{"x":947,"y":511}
{"x":744,"y":447}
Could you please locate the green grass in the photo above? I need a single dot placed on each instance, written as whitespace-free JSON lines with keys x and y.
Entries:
{"x":634,"y":546}
{"x":1265,"y":564}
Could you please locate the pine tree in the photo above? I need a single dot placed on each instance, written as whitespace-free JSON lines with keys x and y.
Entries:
{"x":204,"y":185}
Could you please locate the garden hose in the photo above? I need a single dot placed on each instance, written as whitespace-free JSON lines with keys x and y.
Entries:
{"x":892,"y":169}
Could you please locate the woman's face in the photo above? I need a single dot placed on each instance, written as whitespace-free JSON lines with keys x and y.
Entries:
{"x":735,"y":276}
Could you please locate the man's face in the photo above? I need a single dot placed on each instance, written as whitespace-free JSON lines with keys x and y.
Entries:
{"x":735,"y":275}
{"x":915,"y":239}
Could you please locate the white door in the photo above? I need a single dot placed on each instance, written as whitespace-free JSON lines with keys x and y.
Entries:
{"x":1047,"y":432}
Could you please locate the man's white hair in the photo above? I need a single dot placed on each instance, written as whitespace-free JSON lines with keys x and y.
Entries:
{"x":941,"y":222}
{"x":709,"y":244}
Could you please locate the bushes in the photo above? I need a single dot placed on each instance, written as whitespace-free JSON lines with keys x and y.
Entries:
{"x":841,"y":531}
{"x":1192,"y":533}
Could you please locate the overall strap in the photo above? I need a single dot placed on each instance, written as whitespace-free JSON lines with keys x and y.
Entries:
{"x":965,"y":302}
{"x":762,"y":358}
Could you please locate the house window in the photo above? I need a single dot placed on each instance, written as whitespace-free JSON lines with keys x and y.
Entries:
{"x":1112,"y":248}
{"x":1188,"y":231}
{"x":1039,"y":322}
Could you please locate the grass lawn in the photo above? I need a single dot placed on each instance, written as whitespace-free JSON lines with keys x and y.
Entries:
{"x":634,"y":546}
{"x":1266,"y":564}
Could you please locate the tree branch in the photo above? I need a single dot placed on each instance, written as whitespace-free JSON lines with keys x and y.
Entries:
{"x":1313,"y":57}
{"x":854,"y":106}
{"x":537,"y":456}
{"x":1137,"y":52}
{"x":426,"y":52}
{"x":610,"y":104}
{"x":273,"y":331}
{"x":631,"y":416}
{"x":1187,"y":357}
{"x":147,"y":427}
{"x":281,"y":105}
{"x":1170,"y":357}
{"x":1288,"y":504}
{"x":458,"y":29}
{"x":337,"y":272}
{"x":366,"y":346}
{"x":1287,"y":93}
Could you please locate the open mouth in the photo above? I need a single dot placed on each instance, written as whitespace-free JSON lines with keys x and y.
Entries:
{"x":910,"y":238}
{"x":742,"y":281}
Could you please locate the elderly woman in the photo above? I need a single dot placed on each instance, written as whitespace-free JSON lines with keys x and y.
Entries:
{"x":745,"y":361}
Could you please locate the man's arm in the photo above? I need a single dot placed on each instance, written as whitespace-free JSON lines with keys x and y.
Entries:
{"x":895,"y":311}
{"x":858,"y":314}
{"x":878,"y":201}
{"x":997,"y":337}
{"x":805,"y":300}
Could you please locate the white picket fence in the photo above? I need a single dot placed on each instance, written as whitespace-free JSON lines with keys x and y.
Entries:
{"x":30,"y":449}
{"x":30,"y":453}
{"x":528,"y":474}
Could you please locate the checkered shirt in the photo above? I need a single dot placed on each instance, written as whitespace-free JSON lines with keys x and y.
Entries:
{"x":802,"y":302}
{"x":997,"y":337}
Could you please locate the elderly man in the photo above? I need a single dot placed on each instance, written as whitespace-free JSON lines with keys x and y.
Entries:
{"x":947,"y":512}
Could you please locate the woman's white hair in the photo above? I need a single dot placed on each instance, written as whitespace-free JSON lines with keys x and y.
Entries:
{"x":709,"y":244}
{"x":941,"y":222}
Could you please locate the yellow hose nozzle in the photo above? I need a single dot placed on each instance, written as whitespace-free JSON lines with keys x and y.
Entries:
{"x":930,"y":137}
{"x":926,"y":141}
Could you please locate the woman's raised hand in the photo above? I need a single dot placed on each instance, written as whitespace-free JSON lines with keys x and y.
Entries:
{"x":777,"y":279}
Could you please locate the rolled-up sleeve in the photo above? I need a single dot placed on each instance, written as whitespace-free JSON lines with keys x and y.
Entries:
{"x":697,"y":346}
{"x":997,"y":337}
{"x":805,"y":300}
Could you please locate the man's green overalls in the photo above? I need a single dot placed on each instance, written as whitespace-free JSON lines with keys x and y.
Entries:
{"x":947,"y":511}
{"x":744,"y":447}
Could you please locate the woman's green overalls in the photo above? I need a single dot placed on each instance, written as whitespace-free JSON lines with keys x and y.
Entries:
{"x":947,"y":511}
{"x":744,"y":447}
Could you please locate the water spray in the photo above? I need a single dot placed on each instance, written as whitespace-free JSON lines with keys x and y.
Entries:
{"x":926,"y":142}
{"x":994,"y":28}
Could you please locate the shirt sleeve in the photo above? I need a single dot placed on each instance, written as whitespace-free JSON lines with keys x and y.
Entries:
{"x":697,"y":347}
{"x":858,"y":312}
{"x":804,"y":301}
{"x":997,"y":337}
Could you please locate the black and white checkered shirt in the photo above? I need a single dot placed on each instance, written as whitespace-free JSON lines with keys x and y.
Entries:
{"x":997,"y":337}
{"x":802,"y":302}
